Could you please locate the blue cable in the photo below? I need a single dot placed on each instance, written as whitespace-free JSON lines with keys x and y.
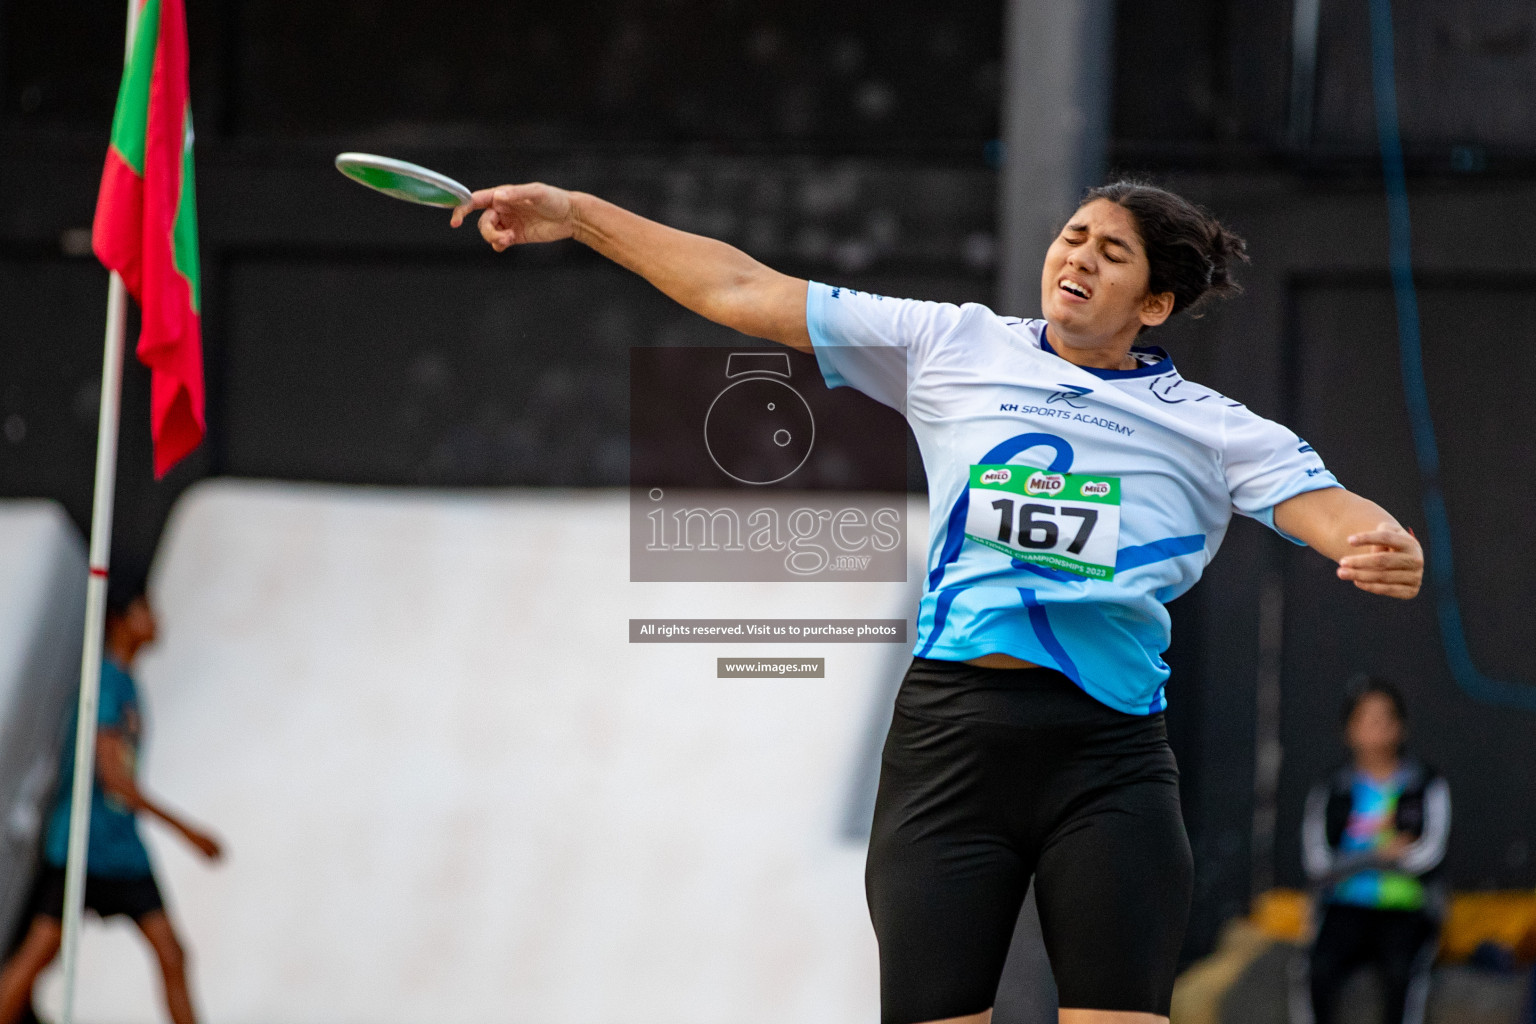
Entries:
{"x":1441,"y":571}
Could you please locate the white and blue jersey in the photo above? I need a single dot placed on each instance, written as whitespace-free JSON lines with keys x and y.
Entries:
{"x":1122,"y":484}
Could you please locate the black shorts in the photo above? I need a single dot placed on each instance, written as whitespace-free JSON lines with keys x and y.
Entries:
{"x":990,"y":777}
{"x":133,"y":897}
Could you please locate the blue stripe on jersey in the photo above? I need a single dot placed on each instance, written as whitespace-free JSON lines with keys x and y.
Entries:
{"x":1042,"y":624}
{"x":940,"y":614}
{"x":954,"y":536}
{"x":1062,"y":463}
{"x":1158,"y":550}
{"x":1046,"y":571}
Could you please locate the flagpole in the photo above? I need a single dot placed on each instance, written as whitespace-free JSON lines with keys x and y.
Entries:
{"x":95,"y":610}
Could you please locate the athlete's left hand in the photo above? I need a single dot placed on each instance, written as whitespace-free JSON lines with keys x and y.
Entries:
{"x":1391,"y":562}
{"x":206,"y":845}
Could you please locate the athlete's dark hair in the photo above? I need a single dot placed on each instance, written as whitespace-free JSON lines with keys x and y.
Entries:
{"x":122,"y":590}
{"x":1190,"y":252}
{"x":1362,"y":686}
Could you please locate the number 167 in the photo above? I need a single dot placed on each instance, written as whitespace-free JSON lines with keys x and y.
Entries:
{"x":1037,"y":531}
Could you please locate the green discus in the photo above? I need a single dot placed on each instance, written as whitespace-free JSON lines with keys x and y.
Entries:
{"x":402,"y":179}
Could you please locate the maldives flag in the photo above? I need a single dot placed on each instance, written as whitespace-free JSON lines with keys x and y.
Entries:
{"x":146,"y":224}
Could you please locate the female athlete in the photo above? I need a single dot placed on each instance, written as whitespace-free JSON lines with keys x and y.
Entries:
{"x":1076,"y":484}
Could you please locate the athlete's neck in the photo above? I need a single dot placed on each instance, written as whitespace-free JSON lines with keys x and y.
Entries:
{"x":1380,"y":767}
{"x":121,"y":649}
{"x":1098,"y":353}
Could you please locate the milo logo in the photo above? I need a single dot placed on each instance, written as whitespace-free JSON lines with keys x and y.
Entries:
{"x":1095,"y":488}
{"x":997,"y":476}
{"x":1045,"y":483}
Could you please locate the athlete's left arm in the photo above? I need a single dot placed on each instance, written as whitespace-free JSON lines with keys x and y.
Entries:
{"x":114,"y":760}
{"x":1373,"y":551}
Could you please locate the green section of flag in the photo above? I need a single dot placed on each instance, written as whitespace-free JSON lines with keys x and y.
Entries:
{"x":184,"y":229}
{"x":130,"y":122}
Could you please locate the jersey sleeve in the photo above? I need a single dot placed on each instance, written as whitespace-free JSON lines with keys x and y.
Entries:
{"x":876,"y":344}
{"x":1317,"y":857}
{"x":1267,"y":464}
{"x":1425,"y":853}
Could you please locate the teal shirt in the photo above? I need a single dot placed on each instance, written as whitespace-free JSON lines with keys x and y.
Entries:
{"x":115,"y":849}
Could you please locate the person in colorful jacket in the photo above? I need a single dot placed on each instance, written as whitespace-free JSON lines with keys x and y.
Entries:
{"x":1373,"y":842}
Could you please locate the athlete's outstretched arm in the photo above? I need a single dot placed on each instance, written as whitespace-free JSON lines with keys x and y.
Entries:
{"x":1373,"y":551}
{"x":114,"y":758}
{"x":715,"y":280}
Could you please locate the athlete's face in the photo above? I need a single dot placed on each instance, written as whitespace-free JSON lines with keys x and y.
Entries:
{"x":1094,"y":283}
{"x":1374,"y":731}
{"x":136,"y":627}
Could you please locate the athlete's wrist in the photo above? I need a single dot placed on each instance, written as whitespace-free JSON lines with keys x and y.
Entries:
{"x":578,"y":218}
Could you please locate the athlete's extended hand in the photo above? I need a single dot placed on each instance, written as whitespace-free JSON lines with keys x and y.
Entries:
{"x":204,"y":843}
{"x":1391,"y":562}
{"x":518,"y":214}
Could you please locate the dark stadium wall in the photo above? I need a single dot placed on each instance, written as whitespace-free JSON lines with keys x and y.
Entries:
{"x":1314,"y":342}
{"x":357,"y":340}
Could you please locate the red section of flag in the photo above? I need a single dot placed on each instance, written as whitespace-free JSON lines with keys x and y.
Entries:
{"x":134,"y":235}
{"x":118,"y":235}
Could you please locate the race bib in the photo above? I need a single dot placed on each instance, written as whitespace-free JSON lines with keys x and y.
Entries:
{"x":1068,"y":521}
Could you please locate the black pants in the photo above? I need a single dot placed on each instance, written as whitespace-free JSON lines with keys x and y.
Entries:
{"x":991,"y":777}
{"x":135,"y":896}
{"x":1399,"y":944}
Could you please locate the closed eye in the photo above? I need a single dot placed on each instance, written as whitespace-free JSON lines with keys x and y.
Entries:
{"x":1113,"y":243}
